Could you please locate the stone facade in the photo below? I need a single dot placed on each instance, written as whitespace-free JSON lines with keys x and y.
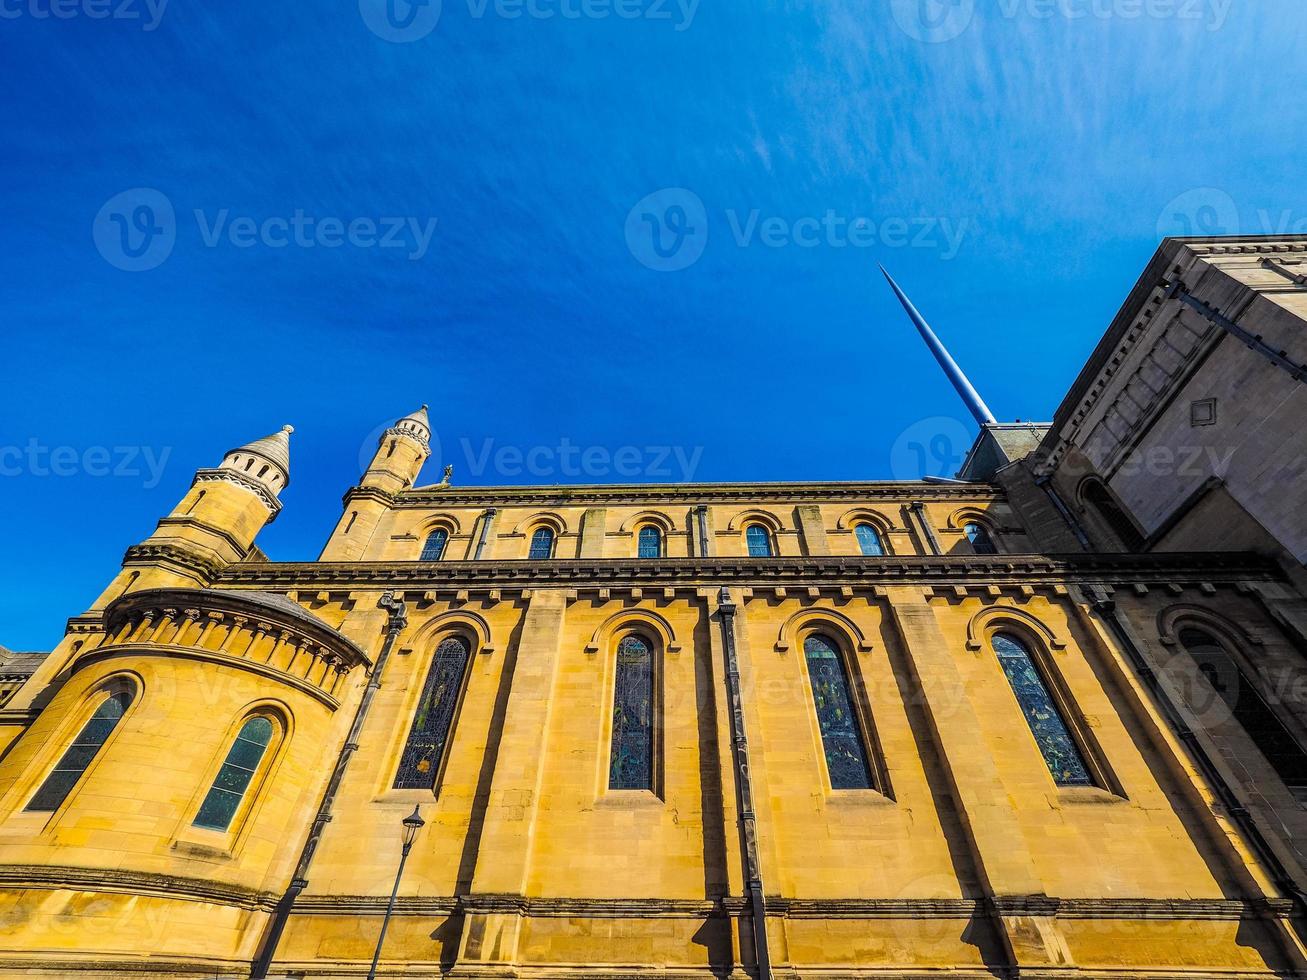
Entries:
{"x":1182,"y":853}
{"x":1189,"y":412}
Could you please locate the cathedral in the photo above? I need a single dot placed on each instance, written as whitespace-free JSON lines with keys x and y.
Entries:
{"x":1046,"y":718}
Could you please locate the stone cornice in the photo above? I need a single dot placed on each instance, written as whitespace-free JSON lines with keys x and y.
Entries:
{"x":98,"y":965}
{"x":166,"y":554}
{"x":368,"y":493}
{"x":303,"y":629}
{"x":1266,"y":245}
{"x":133,"y":883}
{"x":241,"y":480}
{"x":205,"y":890}
{"x":761,"y":572}
{"x":801,"y":908}
{"x":375,"y":905}
{"x":218,"y":532}
{"x":395,"y":430}
{"x":688,"y":494}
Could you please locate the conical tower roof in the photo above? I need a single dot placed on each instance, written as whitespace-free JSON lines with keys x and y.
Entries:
{"x":415,"y":424}
{"x":420,"y":416}
{"x":275,"y":448}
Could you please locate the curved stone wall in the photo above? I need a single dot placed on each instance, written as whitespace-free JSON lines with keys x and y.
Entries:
{"x":193,"y":667}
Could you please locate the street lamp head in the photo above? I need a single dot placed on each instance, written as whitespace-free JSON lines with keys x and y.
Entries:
{"x":412,"y":824}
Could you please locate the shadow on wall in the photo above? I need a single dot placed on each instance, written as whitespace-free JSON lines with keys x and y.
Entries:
{"x":477,"y":818}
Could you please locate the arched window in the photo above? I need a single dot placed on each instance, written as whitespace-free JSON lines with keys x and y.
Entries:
{"x":651,"y":542}
{"x":1061,"y":754}
{"x":434,"y":547}
{"x":1101,"y":499}
{"x":78,"y":756}
{"x":1263,"y":726}
{"x":631,"y":762}
{"x":237,"y":771}
{"x":542,"y":543}
{"x":758,"y":539}
{"x":425,"y":748}
{"x":841,"y":734}
{"x":981,"y":542}
{"x":869,"y":540}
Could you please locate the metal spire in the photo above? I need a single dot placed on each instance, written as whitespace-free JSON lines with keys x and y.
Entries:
{"x":975,"y":404}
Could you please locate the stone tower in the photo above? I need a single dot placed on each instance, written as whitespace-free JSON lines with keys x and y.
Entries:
{"x":401,"y":451}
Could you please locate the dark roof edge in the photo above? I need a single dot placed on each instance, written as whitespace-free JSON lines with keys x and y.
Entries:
{"x":1151,"y":277}
{"x":1148,"y":280}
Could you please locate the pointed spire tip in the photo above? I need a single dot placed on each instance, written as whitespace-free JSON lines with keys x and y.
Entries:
{"x":975,"y":404}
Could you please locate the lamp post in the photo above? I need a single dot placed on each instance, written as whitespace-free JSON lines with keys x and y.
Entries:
{"x":412,"y":824}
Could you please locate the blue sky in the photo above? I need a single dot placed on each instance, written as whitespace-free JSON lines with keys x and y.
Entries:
{"x":376,"y":207}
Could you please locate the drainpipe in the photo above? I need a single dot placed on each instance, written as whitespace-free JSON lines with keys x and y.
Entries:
{"x":1046,"y":483}
{"x":919,"y":510}
{"x":394,"y":626}
{"x":1261,"y":847}
{"x":744,"y":792}
{"x":701,"y":514}
{"x":486,"y":520}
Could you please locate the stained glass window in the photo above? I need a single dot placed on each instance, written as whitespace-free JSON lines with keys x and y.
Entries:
{"x":435,"y":715}
{"x":1263,"y":726}
{"x":631,"y":762}
{"x":841,"y":735}
{"x":77,"y":757}
{"x":759,"y":541}
{"x":981,"y":542}
{"x":651,"y":542}
{"x":1061,"y":754}
{"x":542,"y":543}
{"x":234,"y":777}
{"x":868,"y":540}
{"x":435,"y":545}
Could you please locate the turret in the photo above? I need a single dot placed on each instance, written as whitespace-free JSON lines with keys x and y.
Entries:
{"x":401,"y":451}
{"x":215,"y":524}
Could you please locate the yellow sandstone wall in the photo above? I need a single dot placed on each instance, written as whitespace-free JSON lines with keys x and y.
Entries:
{"x":967,"y":858}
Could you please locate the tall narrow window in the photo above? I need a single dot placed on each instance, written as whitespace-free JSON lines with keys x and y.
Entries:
{"x":841,"y":734}
{"x":542,"y":543}
{"x":233,"y":779}
{"x":981,"y":542}
{"x":759,"y":541}
{"x":651,"y":542}
{"x":427,"y":738}
{"x":631,"y":762}
{"x":1263,"y":726}
{"x":1061,"y":754}
{"x":869,"y":540}
{"x":434,"y":547}
{"x":78,"y":756}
